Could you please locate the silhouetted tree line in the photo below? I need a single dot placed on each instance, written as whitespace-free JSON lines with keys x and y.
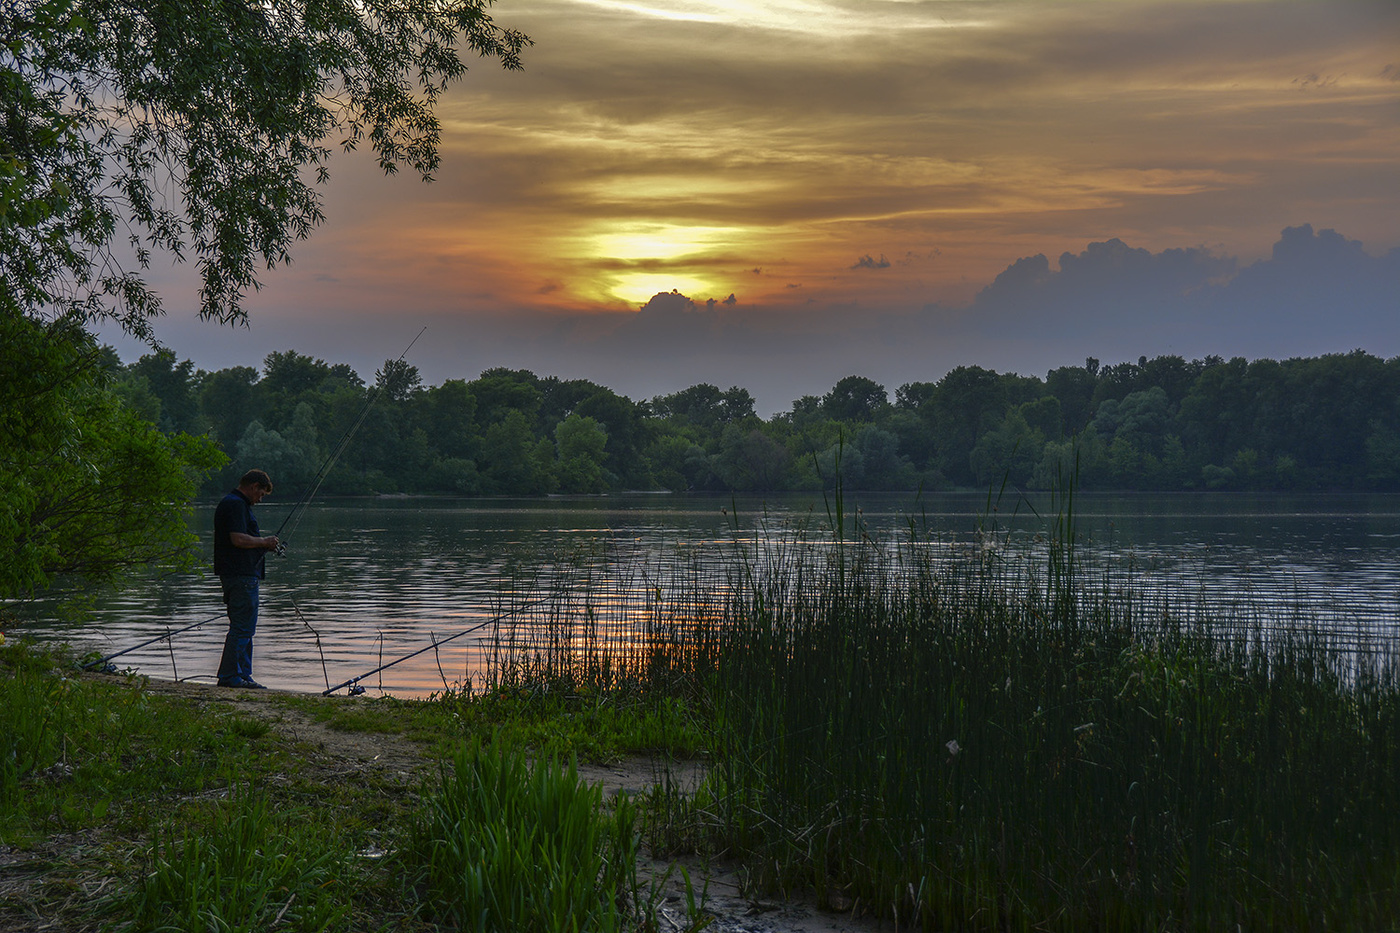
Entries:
{"x":1329,"y":422}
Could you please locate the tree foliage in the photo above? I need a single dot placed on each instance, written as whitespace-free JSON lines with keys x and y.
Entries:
{"x":203,"y":130}
{"x":1167,"y":424}
{"x":86,"y":484}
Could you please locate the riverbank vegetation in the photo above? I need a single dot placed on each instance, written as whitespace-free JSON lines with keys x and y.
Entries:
{"x":1162,"y":424}
{"x":955,"y":757}
{"x":976,"y":737}
{"x":987,"y":739}
{"x":127,"y":807}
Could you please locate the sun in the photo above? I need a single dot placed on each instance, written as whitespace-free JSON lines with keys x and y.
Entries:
{"x":639,"y":260}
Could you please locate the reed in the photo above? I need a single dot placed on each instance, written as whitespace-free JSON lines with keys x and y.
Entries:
{"x":994,"y":735}
{"x":981,"y":740}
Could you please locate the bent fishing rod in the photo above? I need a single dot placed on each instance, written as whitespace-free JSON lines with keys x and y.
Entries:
{"x":353,"y":681}
{"x":332,"y":457}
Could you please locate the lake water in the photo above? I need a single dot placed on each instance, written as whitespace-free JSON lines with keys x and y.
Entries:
{"x":367,"y":581}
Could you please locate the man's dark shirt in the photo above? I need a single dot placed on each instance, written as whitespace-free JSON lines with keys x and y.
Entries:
{"x":235,"y":513}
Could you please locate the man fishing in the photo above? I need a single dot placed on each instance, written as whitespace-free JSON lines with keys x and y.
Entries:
{"x":240,"y":550}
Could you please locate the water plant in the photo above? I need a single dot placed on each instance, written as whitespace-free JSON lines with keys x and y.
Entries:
{"x":503,"y":845}
{"x":978,"y":739}
{"x":995,"y":734}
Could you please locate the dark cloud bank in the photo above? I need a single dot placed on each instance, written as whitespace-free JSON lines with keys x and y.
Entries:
{"x":1319,"y":292}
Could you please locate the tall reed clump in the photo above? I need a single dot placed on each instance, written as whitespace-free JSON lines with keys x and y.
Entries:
{"x":600,"y":663}
{"x":982,"y":742}
{"x":501,"y":845}
{"x":594,"y":630}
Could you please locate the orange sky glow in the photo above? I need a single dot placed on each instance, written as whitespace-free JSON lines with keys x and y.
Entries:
{"x":827,"y":162}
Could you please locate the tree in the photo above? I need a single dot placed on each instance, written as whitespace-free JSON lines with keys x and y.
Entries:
{"x":668,"y":454}
{"x":291,"y":455}
{"x":398,"y":380}
{"x":620,"y":418}
{"x":513,"y":458}
{"x":76,"y":465}
{"x":197,"y":130}
{"x":855,"y":398}
{"x":225,"y":398}
{"x":885,"y":467}
{"x":499,"y":392}
{"x":699,"y":405}
{"x":448,"y":415}
{"x":205,"y":130}
{"x":580,"y":441}
{"x":750,"y":460}
{"x":737,"y":405}
{"x":1010,"y":451}
{"x":968,"y":402}
{"x":1140,"y":419}
{"x":175,"y":384}
{"x":1074,"y":387}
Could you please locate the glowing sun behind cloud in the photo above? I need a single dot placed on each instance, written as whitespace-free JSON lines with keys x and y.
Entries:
{"x":635,"y":261}
{"x":639,"y":287}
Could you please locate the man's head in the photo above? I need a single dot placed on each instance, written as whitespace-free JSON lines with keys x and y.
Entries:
{"x":255,"y":484}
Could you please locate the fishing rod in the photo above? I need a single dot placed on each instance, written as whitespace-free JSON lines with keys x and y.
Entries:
{"x":353,"y":682}
{"x":331,"y":458}
{"x":101,"y":663}
{"x":299,"y":507}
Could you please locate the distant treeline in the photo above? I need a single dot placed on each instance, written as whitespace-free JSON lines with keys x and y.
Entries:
{"x":1330,"y":422}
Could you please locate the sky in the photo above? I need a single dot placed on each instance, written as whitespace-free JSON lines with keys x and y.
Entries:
{"x":776,"y":195}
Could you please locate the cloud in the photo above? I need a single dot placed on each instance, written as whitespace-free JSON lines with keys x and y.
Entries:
{"x":1317,"y":280}
{"x":668,"y":304}
{"x":1318,"y":292}
{"x":1100,"y":283}
{"x":771,"y":139}
{"x":869,"y":262}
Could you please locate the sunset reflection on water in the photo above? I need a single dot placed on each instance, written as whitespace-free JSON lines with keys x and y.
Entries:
{"x":472,"y":583}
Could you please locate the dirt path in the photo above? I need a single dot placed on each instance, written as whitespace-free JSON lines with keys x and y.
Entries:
{"x":397,"y":759}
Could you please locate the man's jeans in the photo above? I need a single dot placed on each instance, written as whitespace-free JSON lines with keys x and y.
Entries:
{"x":241,"y":597}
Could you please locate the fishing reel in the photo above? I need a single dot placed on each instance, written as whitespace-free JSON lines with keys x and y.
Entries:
{"x":280,"y":550}
{"x":356,"y":690}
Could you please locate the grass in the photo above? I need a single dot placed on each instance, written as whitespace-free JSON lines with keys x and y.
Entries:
{"x":503,"y":845}
{"x":247,"y":867}
{"x":186,"y":815}
{"x":595,"y":724}
{"x":995,"y":770}
{"x":987,"y":738}
{"x":71,"y":749}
